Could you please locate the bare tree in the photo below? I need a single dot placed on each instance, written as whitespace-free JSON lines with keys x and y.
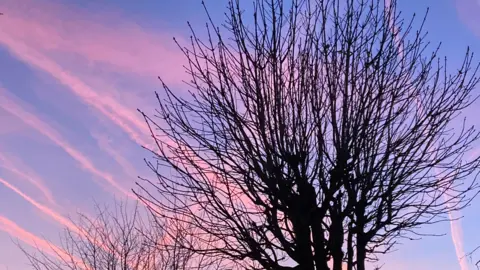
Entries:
{"x":314,"y":132}
{"x":124,"y":238}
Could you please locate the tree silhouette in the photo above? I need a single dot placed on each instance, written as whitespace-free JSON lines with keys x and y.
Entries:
{"x":314,"y":133}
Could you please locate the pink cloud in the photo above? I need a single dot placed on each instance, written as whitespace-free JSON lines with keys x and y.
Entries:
{"x":10,"y":126}
{"x":29,"y":238}
{"x":105,"y":144}
{"x":44,"y":209}
{"x":49,"y":248}
{"x":42,"y":34}
{"x":23,"y":173}
{"x":54,"y":215}
{"x":106,"y":38}
{"x":468,"y":11}
{"x":11,"y":106}
{"x":116,"y":112}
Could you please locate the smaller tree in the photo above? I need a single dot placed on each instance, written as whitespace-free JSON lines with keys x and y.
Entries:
{"x":125,"y":238}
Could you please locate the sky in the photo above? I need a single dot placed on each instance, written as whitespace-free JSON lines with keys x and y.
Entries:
{"x":73,"y":73}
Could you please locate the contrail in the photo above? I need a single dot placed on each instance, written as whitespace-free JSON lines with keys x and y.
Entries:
{"x":455,"y":226}
{"x":32,"y":120}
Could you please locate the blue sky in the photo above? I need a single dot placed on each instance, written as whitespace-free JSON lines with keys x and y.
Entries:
{"x":72,"y":74}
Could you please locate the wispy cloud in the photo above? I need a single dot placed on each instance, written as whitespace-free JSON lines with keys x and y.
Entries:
{"x":105,"y":144}
{"x":60,"y":219}
{"x":455,"y":226}
{"x":44,"y":209}
{"x":31,"y":239}
{"x":52,"y":214}
{"x":457,"y":239}
{"x":100,"y":38}
{"x":468,"y":11}
{"x":116,"y":112}
{"x":12,"y":107}
{"x":21,"y":170}
{"x":39,"y":39}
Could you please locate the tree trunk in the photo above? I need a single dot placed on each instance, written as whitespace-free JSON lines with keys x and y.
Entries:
{"x":337,"y":235}
{"x":350,"y":248}
{"x":361,"y":255}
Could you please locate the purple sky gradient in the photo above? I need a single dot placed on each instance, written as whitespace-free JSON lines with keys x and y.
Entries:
{"x":72,"y":74}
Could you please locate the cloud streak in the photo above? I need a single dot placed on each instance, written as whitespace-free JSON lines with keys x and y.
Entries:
{"x":31,"y":239}
{"x":44,"y":209}
{"x":117,"y":113}
{"x":457,"y":239}
{"x":100,"y":38}
{"x":39,"y":37}
{"x":55,"y":216}
{"x":455,"y":226}
{"x":468,"y":11}
{"x":33,"y":179}
{"x":104,"y":144}
{"x":30,"y":119}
